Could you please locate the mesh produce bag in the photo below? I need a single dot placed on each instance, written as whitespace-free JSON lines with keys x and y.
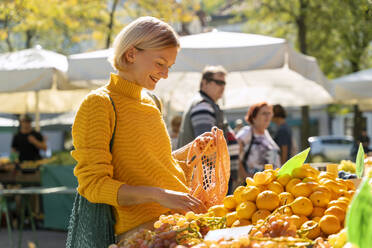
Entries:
{"x":210,"y":161}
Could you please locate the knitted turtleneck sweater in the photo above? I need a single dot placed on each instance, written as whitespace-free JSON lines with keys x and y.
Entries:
{"x":141,"y":152}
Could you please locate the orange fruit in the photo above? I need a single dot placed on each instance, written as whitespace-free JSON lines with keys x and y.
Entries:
{"x":249,"y":181}
{"x":317,"y":212}
{"x":241,"y":222}
{"x":284,"y":179}
{"x":332,"y":185}
{"x":218,"y":211}
{"x":313,"y":185}
{"x":341,"y":204}
{"x":302,"y":206}
{"x":260,"y":214}
{"x":301,"y":189}
{"x":249,"y":194}
{"x":300,"y":172}
{"x":229,"y":202}
{"x":336,"y":211}
{"x":269,"y":167}
{"x":323,"y":189}
{"x":267,"y":200}
{"x":261,"y":178}
{"x":275,"y":187}
{"x":285,"y":198}
{"x":330,"y":224}
{"x":262,"y":187}
{"x":326,"y":175}
{"x":237,"y":193}
{"x":319,"y":199}
{"x":245,"y":210}
{"x":291,"y":183}
{"x":315,"y":229}
{"x":231,"y":218}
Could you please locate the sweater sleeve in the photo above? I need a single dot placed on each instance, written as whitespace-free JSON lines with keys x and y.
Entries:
{"x":91,"y":132}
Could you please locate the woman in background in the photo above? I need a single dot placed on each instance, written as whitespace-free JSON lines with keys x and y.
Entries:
{"x":257,"y":148}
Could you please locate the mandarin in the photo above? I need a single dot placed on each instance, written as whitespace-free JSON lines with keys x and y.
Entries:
{"x":260,"y":214}
{"x":285,"y":198}
{"x":336,"y":211}
{"x":300,"y":172}
{"x":249,"y":181}
{"x":229,"y":202}
{"x":302,"y":206}
{"x":231,"y":218}
{"x":315,"y":229}
{"x":218,"y":211}
{"x":275,"y":187}
{"x":284,"y":179}
{"x":249,"y":194}
{"x":339,"y":203}
{"x":319,"y":199}
{"x":330,"y":224}
{"x":317,"y":212}
{"x":261,"y":178}
{"x":245,"y":210}
{"x":292,"y":183}
{"x":237,"y":192}
{"x":301,"y":189}
{"x":267,"y":200}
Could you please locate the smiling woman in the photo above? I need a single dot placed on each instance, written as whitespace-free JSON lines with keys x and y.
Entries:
{"x":121,"y":142}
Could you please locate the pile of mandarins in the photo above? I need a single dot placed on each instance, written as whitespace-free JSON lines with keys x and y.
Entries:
{"x":312,"y":197}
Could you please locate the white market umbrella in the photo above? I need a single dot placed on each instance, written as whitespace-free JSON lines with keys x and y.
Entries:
{"x":249,"y":58}
{"x":34,"y":81}
{"x":246,"y":88}
{"x":353,"y":88}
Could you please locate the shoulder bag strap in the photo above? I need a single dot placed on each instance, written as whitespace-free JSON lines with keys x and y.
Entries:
{"x":245,"y":158}
{"x":113,"y":133}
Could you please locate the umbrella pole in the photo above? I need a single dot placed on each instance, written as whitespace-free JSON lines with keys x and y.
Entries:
{"x":37,"y":112}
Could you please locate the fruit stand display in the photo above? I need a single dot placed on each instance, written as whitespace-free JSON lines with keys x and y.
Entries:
{"x":303,"y":208}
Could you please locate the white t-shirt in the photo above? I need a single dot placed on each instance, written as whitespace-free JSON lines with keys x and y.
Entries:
{"x":263,"y":150}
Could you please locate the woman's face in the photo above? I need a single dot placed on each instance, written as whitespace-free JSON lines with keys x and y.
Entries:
{"x":149,"y":66}
{"x":263,"y":117}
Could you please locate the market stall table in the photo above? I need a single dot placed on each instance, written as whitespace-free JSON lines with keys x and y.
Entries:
{"x":25,"y":194}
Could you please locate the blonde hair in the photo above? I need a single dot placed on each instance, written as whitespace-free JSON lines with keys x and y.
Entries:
{"x":143,"y":33}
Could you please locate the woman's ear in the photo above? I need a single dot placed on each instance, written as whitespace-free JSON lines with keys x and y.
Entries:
{"x":130,"y":55}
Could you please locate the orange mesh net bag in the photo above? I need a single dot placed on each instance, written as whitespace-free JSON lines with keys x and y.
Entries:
{"x":210,"y":160}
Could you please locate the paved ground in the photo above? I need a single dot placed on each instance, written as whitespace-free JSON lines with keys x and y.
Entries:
{"x":45,"y":238}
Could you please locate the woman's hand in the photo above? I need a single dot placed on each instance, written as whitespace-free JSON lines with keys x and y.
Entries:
{"x":180,"y":202}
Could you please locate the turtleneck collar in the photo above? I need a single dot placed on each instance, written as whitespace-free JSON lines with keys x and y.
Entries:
{"x":124,"y":87}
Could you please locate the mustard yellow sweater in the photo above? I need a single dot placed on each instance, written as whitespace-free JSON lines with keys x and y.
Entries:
{"x":141,"y":152}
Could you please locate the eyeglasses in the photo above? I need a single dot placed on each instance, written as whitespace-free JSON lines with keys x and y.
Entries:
{"x":218,"y":82}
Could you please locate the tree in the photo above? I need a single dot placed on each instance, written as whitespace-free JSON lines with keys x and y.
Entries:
{"x":314,"y":26}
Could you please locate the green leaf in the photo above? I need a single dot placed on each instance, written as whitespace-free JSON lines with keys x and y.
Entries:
{"x":359,"y":216}
{"x":295,"y":162}
{"x":360,"y":161}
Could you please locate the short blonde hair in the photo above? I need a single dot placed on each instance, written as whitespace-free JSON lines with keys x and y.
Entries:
{"x":143,"y":33}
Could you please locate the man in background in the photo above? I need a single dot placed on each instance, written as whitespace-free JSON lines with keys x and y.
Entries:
{"x":283,"y":135}
{"x":203,"y":113}
{"x":27,"y":143}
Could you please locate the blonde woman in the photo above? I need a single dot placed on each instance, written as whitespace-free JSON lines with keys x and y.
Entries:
{"x":139,"y":177}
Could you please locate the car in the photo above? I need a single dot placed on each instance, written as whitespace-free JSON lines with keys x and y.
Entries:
{"x":330,"y":148}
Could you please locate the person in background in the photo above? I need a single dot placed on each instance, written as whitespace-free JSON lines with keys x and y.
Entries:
{"x":257,"y":148}
{"x":175,"y":130}
{"x":362,"y":139}
{"x":238,"y":125}
{"x":27,"y":143}
{"x":283,"y":134}
{"x":203,"y":112}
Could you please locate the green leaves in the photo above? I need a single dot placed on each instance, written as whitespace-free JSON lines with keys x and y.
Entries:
{"x":360,"y":161}
{"x":295,"y":162}
{"x":359,"y":216}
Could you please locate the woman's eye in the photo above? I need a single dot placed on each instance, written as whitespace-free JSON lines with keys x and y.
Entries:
{"x":160,"y":64}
